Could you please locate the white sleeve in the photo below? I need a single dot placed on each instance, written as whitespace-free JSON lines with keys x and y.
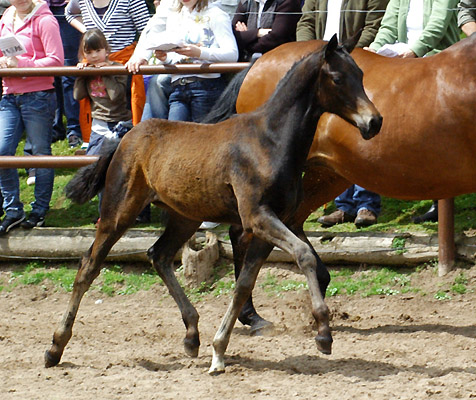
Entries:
{"x":227,"y":50}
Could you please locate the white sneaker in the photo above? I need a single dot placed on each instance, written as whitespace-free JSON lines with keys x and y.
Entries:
{"x":84,"y":146}
{"x":31,"y":180}
{"x":208,"y":225}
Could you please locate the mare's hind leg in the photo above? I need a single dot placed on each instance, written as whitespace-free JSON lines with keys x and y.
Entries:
{"x":161,"y":254}
{"x":248,"y":315}
{"x":258,"y":251}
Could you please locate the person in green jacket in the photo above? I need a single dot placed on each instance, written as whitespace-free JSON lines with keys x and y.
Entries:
{"x":425,"y":26}
{"x":353,"y":16}
{"x":467,"y":16}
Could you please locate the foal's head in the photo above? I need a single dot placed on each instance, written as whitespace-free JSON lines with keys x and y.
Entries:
{"x":341,"y":89}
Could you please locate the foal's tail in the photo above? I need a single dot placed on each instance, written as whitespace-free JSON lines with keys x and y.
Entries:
{"x":225,"y":106}
{"x":90,"y":180}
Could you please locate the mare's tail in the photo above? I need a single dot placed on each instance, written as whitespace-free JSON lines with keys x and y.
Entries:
{"x":90,"y":180}
{"x":225,"y":106}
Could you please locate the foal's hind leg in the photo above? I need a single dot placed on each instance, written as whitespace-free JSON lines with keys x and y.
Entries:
{"x":89,"y":269}
{"x":161,"y":254}
{"x":118,"y":212}
{"x":248,"y":315}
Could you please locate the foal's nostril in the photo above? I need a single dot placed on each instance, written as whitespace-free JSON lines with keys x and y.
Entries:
{"x":375,"y":125}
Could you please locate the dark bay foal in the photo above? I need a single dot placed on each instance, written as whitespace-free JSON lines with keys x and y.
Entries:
{"x":245,"y":171}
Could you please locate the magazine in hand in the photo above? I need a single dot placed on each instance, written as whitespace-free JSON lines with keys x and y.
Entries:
{"x":11,"y":46}
{"x":165,"y":42}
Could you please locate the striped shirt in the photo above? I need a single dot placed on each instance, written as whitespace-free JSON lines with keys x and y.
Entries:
{"x":121,"y":23}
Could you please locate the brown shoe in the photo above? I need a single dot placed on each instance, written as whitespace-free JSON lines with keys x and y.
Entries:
{"x":365,"y":218}
{"x":337,"y":217}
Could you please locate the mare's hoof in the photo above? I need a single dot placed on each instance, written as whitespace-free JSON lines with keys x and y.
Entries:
{"x":324,"y":344}
{"x":260,"y":327}
{"x":191,"y":347}
{"x":51,"y":360}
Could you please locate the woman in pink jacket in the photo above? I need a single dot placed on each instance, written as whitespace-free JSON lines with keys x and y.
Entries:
{"x":28,"y":104}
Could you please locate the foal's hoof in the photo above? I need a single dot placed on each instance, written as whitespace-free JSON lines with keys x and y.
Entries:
{"x":191,"y":347}
{"x":324,"y":344}
{"x":215,"y":372}
{"x":260,"y":327}
{"x":51,"y":360}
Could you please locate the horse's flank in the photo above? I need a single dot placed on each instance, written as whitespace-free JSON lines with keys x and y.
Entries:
{"x":426,"y":148}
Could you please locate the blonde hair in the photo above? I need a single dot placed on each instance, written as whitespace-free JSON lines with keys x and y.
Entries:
{"x":199,"y":6}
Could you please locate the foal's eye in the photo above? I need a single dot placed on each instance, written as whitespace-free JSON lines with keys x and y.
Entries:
{"x":337,"y":80}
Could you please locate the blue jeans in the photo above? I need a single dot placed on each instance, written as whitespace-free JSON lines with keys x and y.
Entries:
{"x":34,"y":113}
{"x":192,"y":101}
{"x":157,"y":97}
{"x":64,"y":85}
{"x":356,"y":198}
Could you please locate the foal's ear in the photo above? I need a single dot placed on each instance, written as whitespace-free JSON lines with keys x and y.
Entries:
{"x":350,"y":42}
{"x":331,"y":46}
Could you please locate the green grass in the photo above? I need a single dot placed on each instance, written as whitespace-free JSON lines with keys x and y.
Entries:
{"x":115,"y":280}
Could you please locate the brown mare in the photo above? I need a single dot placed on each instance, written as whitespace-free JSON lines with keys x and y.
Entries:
{"x":245,"y":171}
{"x":427,"y":145}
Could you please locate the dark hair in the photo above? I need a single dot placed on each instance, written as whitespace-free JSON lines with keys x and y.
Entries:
{"x":199,"y":6}
{"x":92,"y":39}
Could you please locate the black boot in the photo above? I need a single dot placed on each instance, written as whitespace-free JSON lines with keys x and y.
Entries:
{"x":144,"y":216}
{"x":430,"y":216}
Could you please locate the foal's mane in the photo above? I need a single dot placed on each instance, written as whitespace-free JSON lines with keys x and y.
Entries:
{"x":297,"y":78}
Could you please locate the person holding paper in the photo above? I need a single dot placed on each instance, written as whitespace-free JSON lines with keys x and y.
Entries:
{"x":417,"y":28}
{"x":28,"y":104}
{"x":206,"y":34}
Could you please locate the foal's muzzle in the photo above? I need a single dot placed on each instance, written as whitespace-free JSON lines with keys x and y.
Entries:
{"x":372,"y":127}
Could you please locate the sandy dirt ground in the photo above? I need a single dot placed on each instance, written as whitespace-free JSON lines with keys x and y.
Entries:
{"x":130,"y":347}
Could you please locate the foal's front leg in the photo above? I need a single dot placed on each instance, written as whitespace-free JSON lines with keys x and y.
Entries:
{"x":268,"y":227}
{"x":256,"y":255}
{"x":162,"y":254}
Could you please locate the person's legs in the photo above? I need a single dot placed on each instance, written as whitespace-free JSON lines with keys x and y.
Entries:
{"x":157,"y":97}
{"x":364,"y":198}
{"x":179,"y":104}
{"x":345,"y":212}
{"x":368,"y":206}
{"x":11,"y":127}
{"x":59,"y":130}
{"x":203,"y":95}
{"x":38,"y":114}
{"x":70,"y":38}
{"x":345,"y":201}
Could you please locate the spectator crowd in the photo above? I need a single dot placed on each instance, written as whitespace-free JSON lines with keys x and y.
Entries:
{"x":96,"y":33}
